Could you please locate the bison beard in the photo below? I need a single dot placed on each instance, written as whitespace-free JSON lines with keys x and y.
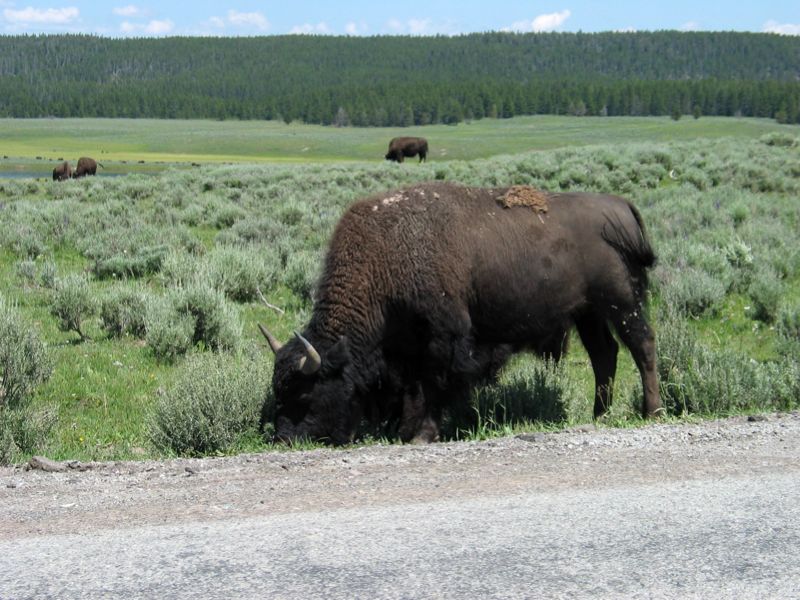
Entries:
{"x":427,"y":290}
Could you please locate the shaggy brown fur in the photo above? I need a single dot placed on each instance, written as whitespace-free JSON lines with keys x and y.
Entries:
{"x":86,"y":166}
{"x":401,"y":147}
{"x":421,"y":285}
{"x":62,"y":172}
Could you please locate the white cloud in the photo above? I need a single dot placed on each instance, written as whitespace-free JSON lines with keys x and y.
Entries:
{"x":547,"y":22}
{"x":420,"y":27}
{"x":690,"y":26}
{"x":782,"y":28}
{"x":217,"y":22}
{"x":254,"y":19}
{"x":128,"y":11}
{"x":46,"y":16}
{"x":154,"y":27}
{"x":354,"y":28}
{"x":307,"y":28}
{"x":395,"y":26}
{"x":159,"y":27}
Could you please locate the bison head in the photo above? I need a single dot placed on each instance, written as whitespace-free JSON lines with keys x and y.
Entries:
{"x":315,"y":395}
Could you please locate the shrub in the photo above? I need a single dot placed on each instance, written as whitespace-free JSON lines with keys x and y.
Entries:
{"x":694,"y":293}
{"x":26,"y":270}
{"x":123,"y":310}
{"x":766,"y":291}
{"x":24,"y":431}
{"x":696,"y":379}
{"x":72,"y":303}
{"x":167,"y":332}
{"x":240,"y":272}
{"x":301,"y":273}
{"x":789,"y":322}
{"x":779,"y":138}
{"x":530,"y":389}
{"x":48,"y":275}
{"x":216,"y":322}
{"x":24,"y":364}
{"x":215,"y":403}
{"x":145,"y":261}
{"x":196,"y":314}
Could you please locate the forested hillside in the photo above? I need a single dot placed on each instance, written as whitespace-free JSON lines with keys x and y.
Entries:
{"x":376,"y":81}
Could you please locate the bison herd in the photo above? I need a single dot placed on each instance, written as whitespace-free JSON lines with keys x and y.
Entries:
{"x":85,"y":166}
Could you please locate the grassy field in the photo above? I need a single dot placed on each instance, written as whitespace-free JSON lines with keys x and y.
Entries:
{"x":143,"y":260}
{"x":154,"y":141}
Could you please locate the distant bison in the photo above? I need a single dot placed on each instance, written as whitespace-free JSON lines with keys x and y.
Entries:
{"x":400,"y":147}
{"x":62,"y":172}
{"x":86,"y":166}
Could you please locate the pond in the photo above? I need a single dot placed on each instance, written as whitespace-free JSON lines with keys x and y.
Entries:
{"x":25,"y":174}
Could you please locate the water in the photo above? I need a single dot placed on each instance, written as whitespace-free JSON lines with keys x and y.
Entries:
{"x":41,"y":175}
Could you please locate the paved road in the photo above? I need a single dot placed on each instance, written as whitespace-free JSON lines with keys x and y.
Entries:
{"x":703,"y":530}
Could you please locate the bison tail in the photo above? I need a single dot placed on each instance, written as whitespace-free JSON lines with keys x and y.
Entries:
{"x":101,"y":165}
{"x":631,"y":242}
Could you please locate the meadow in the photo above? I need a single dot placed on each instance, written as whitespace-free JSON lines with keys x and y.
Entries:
{"x":179,"y":142}
{"x":128,"y":306}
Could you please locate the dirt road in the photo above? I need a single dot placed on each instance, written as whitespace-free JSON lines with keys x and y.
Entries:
{"x":664,"y":511}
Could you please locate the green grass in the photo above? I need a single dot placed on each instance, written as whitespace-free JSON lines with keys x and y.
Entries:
{"x":114,"y":140}
{"x":733,"y":190}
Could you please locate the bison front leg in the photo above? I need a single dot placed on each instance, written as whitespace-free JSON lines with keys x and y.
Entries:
{"x":419,"y":423}
{"x":602,"y":350}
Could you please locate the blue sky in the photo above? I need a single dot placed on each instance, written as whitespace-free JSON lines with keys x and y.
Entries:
{"x":132,"y":18}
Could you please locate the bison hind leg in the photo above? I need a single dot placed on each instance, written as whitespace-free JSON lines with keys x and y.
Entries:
{"x":602,"y":350}
{"x":637,"y":335}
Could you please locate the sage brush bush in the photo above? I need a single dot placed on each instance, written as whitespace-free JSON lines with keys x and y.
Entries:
{"x":530,"y":389}
{"x":24,"y":361}
{"x":24,"y":364}
{"x":194,"y":315}
{"x":168,"y":333}
{"x":789,"y":322}
{"x":123,"y":311}
{"x":73,"y":303}
{"x":215,"y":403}
{"x":766,"y":291}
{"x":695,"y":379}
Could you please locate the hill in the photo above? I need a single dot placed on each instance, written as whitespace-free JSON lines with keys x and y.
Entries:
{"x":401,"y":80}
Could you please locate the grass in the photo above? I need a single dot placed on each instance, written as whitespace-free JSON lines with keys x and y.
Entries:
{"x":156,"y":141}
{"x":734,"y":193}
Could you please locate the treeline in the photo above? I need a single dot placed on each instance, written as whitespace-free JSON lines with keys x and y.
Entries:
{"x":401,"y":80}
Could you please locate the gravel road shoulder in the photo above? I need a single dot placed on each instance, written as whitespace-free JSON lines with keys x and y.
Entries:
{"x":94,"y":496}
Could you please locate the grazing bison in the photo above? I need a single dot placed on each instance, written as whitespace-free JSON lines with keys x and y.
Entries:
{"x":400,"y":147}
{"x":421,"y":286}
{"x":86,"y":166}
{"x":62,"y":172}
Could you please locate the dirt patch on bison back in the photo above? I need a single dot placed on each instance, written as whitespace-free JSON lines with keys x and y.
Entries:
{"x":524,"y":195}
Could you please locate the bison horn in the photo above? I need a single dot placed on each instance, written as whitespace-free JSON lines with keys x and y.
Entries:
{"x":311,"y":362}
{"x":273,"y":343}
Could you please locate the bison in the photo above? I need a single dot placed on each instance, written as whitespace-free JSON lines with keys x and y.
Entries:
{"x":62,"y":172}
{"x":400,"y":147}
{"x":426,"y":289}
{"x":86,"y":166}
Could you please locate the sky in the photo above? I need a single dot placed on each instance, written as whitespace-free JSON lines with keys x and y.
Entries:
{"x":151,"y":18}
